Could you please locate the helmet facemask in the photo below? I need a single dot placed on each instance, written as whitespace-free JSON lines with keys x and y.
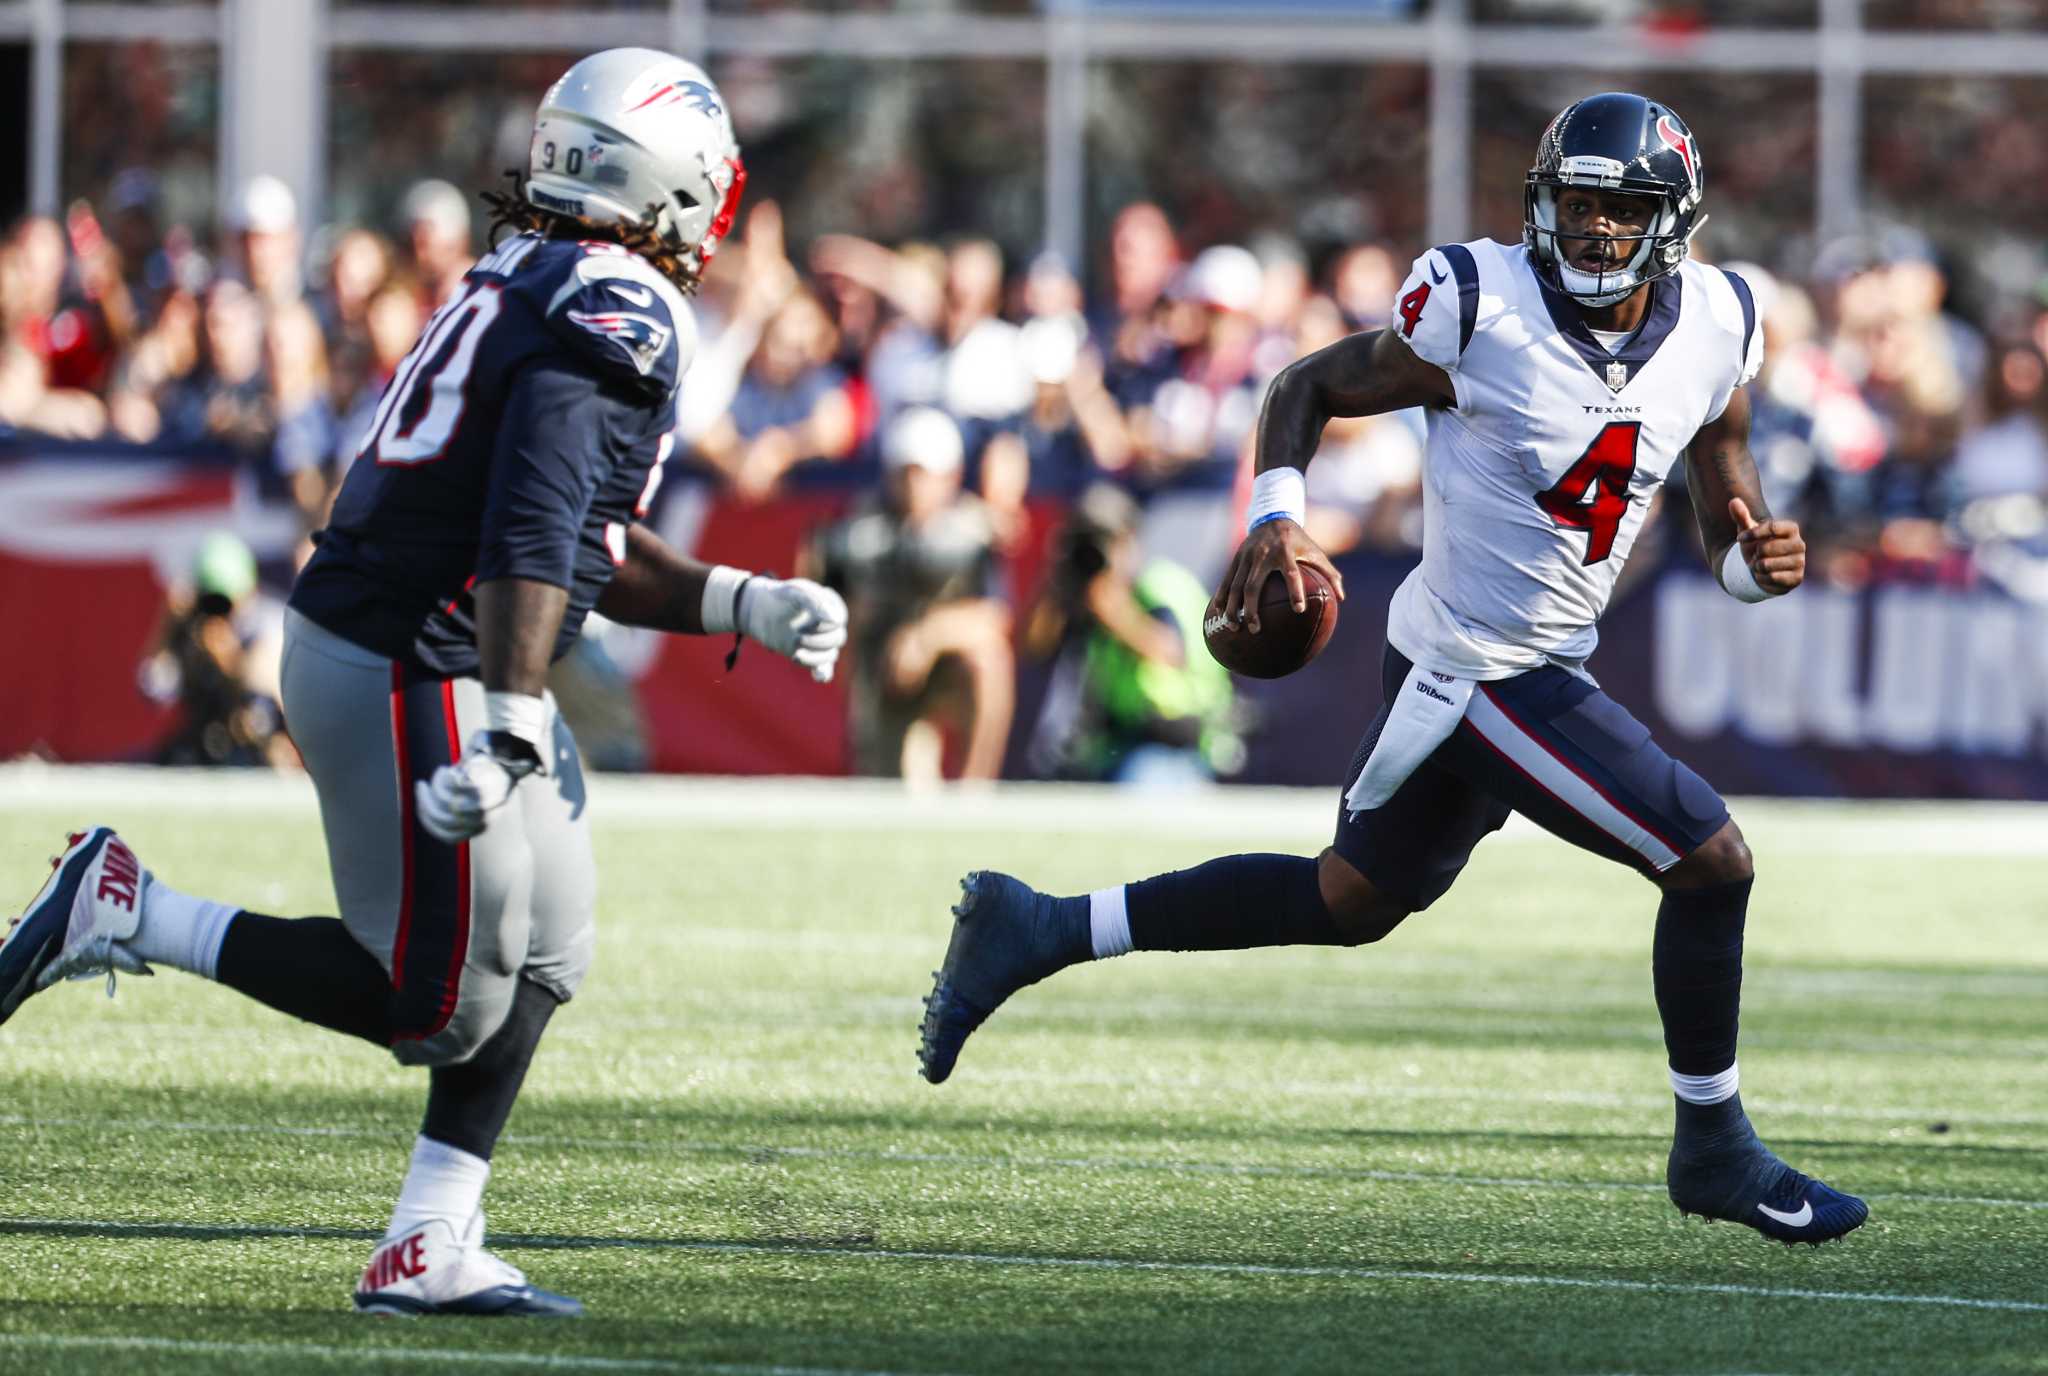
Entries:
{"x":1617,"y":144}
{"x":1644,"y":257}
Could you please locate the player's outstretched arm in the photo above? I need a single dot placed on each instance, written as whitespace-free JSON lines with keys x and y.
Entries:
{"x":665,"y":590}
{"x":1754,"y":555}
{"x":1359,"y":375}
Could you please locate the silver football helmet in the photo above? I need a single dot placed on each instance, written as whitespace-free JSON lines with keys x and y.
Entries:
{"x":641,"y":139}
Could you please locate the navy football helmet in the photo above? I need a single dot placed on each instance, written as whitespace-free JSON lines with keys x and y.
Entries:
{"x":1615,"y":142}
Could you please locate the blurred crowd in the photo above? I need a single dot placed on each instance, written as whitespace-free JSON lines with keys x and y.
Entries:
{"x":1089,"y":421}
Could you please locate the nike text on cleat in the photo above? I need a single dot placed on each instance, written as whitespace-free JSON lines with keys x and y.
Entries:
{"x":1004,"y":937}
{"x":73,"y":928}
{"x":430,"y":1270}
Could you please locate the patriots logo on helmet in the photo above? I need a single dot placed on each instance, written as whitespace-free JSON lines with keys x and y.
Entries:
{"x":643,"y":339}
{"x":683,"y":91}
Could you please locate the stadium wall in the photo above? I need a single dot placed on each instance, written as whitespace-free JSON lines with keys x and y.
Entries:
{"x":1894,"y":690}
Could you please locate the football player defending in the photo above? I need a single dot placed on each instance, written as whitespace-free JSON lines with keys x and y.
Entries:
{"x":1563,"y":376}
{"x":492,"y":508}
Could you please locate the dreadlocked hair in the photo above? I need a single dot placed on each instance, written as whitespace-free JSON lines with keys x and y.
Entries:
{"x":512,"y":213}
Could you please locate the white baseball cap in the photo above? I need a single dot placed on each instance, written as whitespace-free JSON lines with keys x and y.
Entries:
{"x":1227,"y":277}
{"x":266,"y":206}
{"x":440,"y":204}
{"x":924,"y":436}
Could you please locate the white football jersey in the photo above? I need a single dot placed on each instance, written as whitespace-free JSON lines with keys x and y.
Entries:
{"x":1537,"y":482}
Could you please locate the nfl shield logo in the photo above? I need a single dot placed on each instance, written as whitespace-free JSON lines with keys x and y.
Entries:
{"x":1617,"y":375}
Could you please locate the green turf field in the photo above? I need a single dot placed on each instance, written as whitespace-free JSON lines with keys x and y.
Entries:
{"x":1441,"y":1153}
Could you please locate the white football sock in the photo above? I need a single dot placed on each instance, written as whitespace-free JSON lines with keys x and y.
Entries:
{"x":443,"y":1182}
{"x":1707,"y":1089}
{"x":1109,"y":923}
{"x":181,"y":931}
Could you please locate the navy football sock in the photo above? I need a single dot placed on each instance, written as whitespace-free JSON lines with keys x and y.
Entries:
{"x":1231,"y":904}
{"x":311,"y":968}
{"x":1706,"y":1131}
{"x":1696,"y":963}
{"x":467,"y":1104}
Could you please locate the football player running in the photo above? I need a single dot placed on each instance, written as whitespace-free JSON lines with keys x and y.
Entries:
{"x":1564,"y":377}
{"x":492,"y":508}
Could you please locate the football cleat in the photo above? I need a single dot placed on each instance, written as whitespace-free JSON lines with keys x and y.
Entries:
{"x":431,"y":1270}
{"x":1759,"y":1191}
{"x":74,"y":927}
{"x":1006,"y":935}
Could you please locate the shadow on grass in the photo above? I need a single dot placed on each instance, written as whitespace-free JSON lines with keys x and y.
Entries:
{"x":566,"y":1122}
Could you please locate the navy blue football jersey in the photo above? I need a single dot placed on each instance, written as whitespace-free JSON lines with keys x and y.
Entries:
{"x":520,"y":437}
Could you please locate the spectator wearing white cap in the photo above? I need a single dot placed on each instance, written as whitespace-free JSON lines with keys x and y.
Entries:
{"x":266,"y":224}
{"x":931,"y":642}
{"x":1200,"y":420}
{"x":1072,"y":433}
{"x":437,"y":228}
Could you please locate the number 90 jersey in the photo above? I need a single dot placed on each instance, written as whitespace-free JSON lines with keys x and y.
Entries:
{"x":1537,"y":482}
{"x":519,"y":439}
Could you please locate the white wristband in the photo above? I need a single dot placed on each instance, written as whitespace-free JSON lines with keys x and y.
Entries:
{"x":1736,"y":578}
{"x":1277,"y":492}
{"x":519,"y":714}
{"x":720,"y":611}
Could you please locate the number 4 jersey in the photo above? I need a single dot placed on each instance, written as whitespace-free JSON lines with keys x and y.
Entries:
{"x":1537,"y":482}
{"x":518,"y":439}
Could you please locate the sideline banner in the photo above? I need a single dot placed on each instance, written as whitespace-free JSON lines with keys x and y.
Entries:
{"x":1892,"y":691}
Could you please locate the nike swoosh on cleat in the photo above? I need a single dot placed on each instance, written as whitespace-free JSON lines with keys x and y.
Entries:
{"x":639,"y":296}
{"x":1798,"y":1220}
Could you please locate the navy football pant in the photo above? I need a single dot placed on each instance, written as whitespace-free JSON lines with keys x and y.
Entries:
{"x":455,"y":927}
{"x":1547,"y":744}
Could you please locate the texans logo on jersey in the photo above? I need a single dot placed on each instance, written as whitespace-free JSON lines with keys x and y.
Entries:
{"x":695,"y":94}
{"x":643,"y":339}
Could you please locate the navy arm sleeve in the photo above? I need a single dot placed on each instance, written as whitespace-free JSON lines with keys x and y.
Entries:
{"x":551,"y":459}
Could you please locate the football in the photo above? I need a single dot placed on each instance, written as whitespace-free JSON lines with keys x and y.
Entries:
{"x":1286,"y":639}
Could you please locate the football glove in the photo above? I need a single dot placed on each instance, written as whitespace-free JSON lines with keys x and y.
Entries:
{"x":794,"y":617}
{"x":454,"y":805}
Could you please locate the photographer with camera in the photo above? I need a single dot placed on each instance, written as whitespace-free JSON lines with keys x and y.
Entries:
{"x":1134,"y":698}
{"x":216,"y":660}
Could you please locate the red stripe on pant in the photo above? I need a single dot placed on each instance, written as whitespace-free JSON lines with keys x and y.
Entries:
{"x":1547,"y":748}
{"x":434,"y":906}
{"x":406,"y":822}
{"x":452,"y":988}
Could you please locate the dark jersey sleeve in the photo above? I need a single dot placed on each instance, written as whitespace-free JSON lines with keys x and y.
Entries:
{"x":623,"y":320}
{"x":553,"y":455}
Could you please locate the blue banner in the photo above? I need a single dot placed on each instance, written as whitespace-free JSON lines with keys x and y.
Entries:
{"x":1897,"y":690}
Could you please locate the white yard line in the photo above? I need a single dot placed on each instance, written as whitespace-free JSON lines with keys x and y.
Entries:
{"x":436,"y":1356}
{"x":1124,"y":1264}
{"x":969,"y":1160}
{"x":1932,"y":828}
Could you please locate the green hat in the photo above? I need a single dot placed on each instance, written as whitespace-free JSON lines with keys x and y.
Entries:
{"x":224,"y":567}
